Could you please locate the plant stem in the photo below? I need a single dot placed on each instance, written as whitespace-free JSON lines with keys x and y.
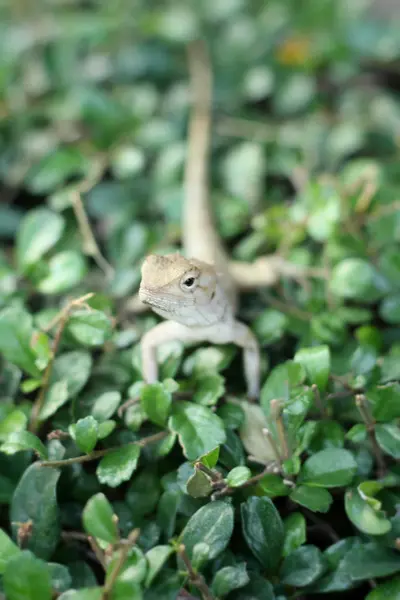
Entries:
{"x":318,"y":400}
{"x":276,"y":409}
{"x":195,"y":578}
{"x":213,"y":475}
{"x":99,"y":453}
{"x":61,"y":319}
{"x":362,"y":405}
{"x":110,"y":581}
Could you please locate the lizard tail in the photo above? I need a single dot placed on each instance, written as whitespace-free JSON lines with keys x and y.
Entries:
{"x":199,"y":236}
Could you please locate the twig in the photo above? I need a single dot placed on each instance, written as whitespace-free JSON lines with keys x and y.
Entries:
{"x":126,"y":405}
{"x":276,"y":413}
{"x":99,"y":453}
{"x":362,"y":405}
{"x":274,"y":447}
{"x":318,"y":400}
{"x":227,"y":491}
{"x":61,"y":319}
{"x":98,"y":551}
{"x":109,"y":584}
{"x":195,"y":578}
{"x":90,"y":246}
{"x":215,"y":476}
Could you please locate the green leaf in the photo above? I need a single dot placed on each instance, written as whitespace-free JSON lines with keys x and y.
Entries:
{"x":118,"y":465}
{"x":35,"y":500}
{"x":367,"y":519}
{"x":316,"y":362}
{"x":295,"y":532}
{"x":316,"y":499}
{"x":55,"y":168}
{"x":39,"y":231}
{"x":199,"y":485}
{"x":212,"y":524}
{"x":272,"y":485}
{"x":105,"y":428}
{"x":98,"y":519}
{"x":66,"y":270}
{"x":7,"y":550}
{"x":373,"y":560}
{"x":85,"y":433}
{"x":156,"y":557}
{"x":232,"y":415}
{"x":211,"y":458}
{"x":270,"y":326}
{"x":90,"y":328}
{"x":385,"y":401}
{"x":134,"y":568}
{"x":24,"y":440}
{"x":302,"y":567}
{"x":27,"y":578}
{"x":388,"y":437}
{"x":356,"y":279}
{"x":156,"y":402}
{"x":209,"y":388}
{"x":390,"y":309}
{"x":199,"y":430}
{"x":333,"y":467}
{"x":14,"y":422}
{"x":40,"y":344}
{"x":105,"y":405}
{"x":16,"y":332}
{"x":69,"y":375}
{"x":386,"y":590}
{"x":263,"y":531}
{"x":280,"y":382}
{"x":228,"y":579}
{"x":61,"y":579}
{"x":238,"y":476}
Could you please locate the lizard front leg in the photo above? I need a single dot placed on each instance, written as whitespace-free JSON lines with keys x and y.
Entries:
{"x":167,"y":331}
{"x":245,"y":338}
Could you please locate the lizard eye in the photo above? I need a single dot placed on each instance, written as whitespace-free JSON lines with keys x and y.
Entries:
{"x":189,"y":282}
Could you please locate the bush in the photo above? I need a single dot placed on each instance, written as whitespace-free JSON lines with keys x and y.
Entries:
{"x":112,"y":488}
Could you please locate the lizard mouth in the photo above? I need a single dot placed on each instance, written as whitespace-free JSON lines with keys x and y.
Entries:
{"x":167,"y":303}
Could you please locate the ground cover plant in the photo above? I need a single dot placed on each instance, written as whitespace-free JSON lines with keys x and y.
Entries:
{"x":111,"y":489}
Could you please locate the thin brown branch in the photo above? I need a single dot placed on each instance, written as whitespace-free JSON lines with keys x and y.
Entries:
{"x":61,"y":319}
{"x":123,"y":555}
{"x":100,"y":453}
{"x":362,"y":405}
{"x":276,"y":413}
{"x":195,"y":578}
{"x":97,"y":551}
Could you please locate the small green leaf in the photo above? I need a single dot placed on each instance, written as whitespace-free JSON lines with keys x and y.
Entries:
{"x":90,"y":327}
{"x":27,"y":578}
{"x":92,"y":593}
{"x":390,"y":309}
{"x":272,"y":485}
{"x":118,"y":465}
{"x":209,"y":388}
{"x":356,"y":279}
{"x":295,"y":532}
{"x":40,"y":344}
{"x":211,"y":458}
{"x":156,"y":557}
{"x":302,"y":567}
{"x":373,"y":560}
{"x":263,"y":531}
{"x":14,"y":422}
{"x":238,"y":476}
{"x":16,"y":331}
{"x":156,"y":402}
{"x":98,"y":519}
{"x":364,"y":516}
{"x":332,"y":467}
{"x":105,"y":405}
{"x":228,"y":579}
{"x":61,"y":580}
{"x":316,"y":361}
{"x":212,"y":524}
{"x":270,"y":326}
{"x":24,"y":440}
{"x":40,"y":230}
{"x":35,"y":499}
{"x":316,"y":499}
{"x":199,"y":430}
{"x":385,"y":401}
{"x":388,"y":437}
{"x":386,"y":590}
{"x":85,"y":433}
{"x":105,"y":428}
{"x":66,"y":270}
{"x":7,"y":550}
{"x":199,"y":485}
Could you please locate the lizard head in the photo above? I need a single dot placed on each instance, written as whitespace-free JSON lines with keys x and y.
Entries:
{"x":178,"y":288}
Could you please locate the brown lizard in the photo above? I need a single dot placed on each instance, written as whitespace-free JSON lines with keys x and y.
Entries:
{"x":198,"y":293}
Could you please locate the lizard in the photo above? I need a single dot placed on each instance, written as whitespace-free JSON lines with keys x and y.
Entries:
{"x":196,"y":291}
